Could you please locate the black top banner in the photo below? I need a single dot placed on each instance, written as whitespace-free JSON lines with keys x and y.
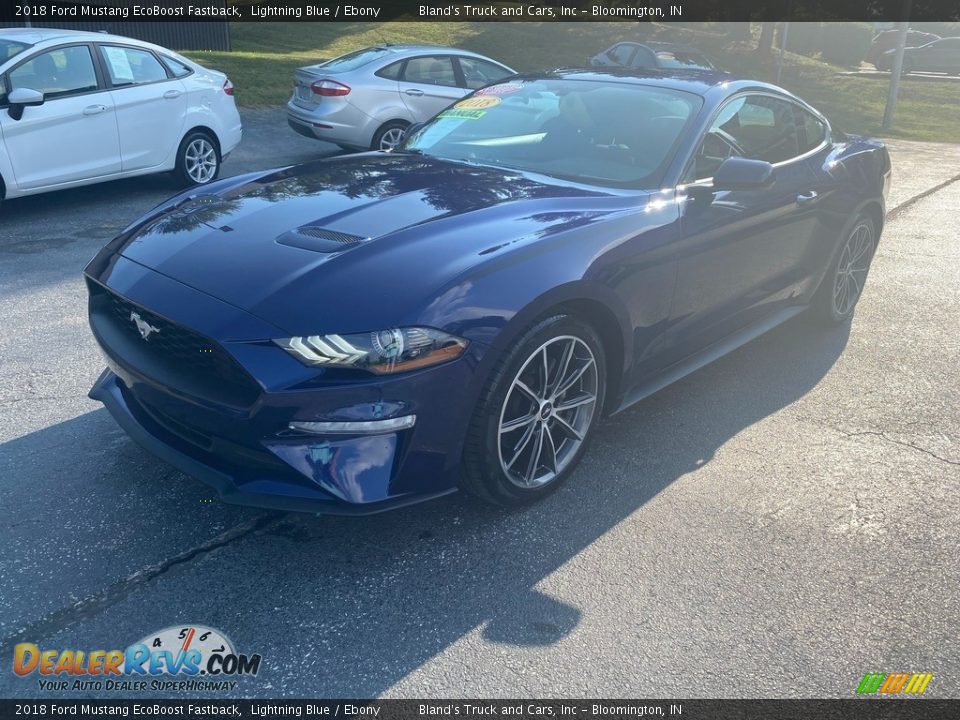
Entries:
{"x":47,"y":11}
{"x":490,"y":709}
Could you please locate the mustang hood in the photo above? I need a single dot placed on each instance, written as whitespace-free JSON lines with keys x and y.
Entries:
{"x":340,"y":231}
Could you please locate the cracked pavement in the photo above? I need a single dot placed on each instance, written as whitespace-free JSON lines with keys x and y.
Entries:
{"x":775,"y":525}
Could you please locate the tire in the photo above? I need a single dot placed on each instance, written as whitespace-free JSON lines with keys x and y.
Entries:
{"x":907,"y":67}
{"x":499,"y":465}
{"x":850,"y":266}
{"x":198,"y":159}
{"x":383,"y":138}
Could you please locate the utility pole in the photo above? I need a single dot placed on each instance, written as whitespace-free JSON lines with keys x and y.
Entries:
{"x":783,"y":46}
{"x":895,"y":70}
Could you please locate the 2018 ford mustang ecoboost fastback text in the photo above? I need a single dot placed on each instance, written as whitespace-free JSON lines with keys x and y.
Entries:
{"x":372,"y":330}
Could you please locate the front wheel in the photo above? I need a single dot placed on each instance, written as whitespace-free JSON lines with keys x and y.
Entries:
{"x":843,"y":284}
{"x":537,"y":414}
{"x":198,"y":160}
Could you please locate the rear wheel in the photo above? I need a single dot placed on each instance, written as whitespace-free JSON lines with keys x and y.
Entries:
{"x":389,"y":135}
{"x":844,"y":282}
{"x":198,"y":160}
{"x":537,"y":415}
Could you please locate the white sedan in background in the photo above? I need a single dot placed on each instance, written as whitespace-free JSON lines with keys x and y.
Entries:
{"x":78,"y":108}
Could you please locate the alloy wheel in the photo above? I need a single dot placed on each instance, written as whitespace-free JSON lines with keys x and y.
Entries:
{"x":547,"y":411}
{"x":852,"y":269}
{"x":391,"y":138}
{"x":200,"y":160}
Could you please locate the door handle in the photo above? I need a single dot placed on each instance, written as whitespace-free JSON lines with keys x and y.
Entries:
{"x":94,"y":109}
{"x":414,"y":92}
{"x":805,"y":198}
{"x":171,"y":94}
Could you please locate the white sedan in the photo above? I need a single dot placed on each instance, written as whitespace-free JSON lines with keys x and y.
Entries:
{"x":78,"y":108}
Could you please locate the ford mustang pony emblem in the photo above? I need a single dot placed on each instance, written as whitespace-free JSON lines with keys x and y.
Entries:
{"x":143,"y":327}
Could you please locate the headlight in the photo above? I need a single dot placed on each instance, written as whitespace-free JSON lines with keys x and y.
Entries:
{"x":382,"y":352}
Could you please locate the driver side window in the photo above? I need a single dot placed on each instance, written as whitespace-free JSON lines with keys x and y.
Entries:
{"x":57,"y":73}
{"x":758,"y":127}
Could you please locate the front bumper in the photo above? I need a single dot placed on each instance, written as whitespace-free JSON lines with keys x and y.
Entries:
{"x":222,"y":412}
{"x":236,"y":482}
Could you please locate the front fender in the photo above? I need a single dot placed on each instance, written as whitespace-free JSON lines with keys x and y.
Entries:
{"x":618,"y":276}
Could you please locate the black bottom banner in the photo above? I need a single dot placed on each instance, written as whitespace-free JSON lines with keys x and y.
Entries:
{"x":854,"y":709}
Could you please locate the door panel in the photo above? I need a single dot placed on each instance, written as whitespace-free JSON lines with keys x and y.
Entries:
{"x":743,"y":249}
{"x":150,"y":107}
{"x":429,"y":84}
{"x":73,"y":135}
{"x":745,"y":253}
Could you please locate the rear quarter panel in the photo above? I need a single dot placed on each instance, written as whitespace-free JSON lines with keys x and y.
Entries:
{"x":853,"y":176}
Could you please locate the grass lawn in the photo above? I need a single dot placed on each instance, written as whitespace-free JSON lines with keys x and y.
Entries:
{"x":266,"y":54}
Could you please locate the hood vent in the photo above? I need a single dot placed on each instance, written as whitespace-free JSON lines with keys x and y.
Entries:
{"x":318,"y":239}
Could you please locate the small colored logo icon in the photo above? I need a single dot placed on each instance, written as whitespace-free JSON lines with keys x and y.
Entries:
{"x":894,"y":683}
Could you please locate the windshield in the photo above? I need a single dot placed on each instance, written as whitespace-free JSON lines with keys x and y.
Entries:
{"x":9,"y":48}
{"x":605,"y":133}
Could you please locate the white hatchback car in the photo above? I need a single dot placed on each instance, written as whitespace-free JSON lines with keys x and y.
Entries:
{"x":79,"y":108}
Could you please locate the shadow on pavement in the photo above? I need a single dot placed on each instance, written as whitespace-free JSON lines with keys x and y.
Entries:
{"x":370,"y":600}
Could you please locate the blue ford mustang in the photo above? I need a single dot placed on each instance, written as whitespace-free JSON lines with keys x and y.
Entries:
{"x":373,"y":330}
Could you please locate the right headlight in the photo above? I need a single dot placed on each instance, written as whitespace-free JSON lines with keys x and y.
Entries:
{"x":383,"y":351}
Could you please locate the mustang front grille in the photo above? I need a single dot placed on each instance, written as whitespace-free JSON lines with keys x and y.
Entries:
{"x":166,"y":352}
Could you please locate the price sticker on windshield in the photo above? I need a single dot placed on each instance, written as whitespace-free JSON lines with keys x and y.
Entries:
{"x":478,"y":103}
{"x":462,"y":114}
{"x":505,"y":89}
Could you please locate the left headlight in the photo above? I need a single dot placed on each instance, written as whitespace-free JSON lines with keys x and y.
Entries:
{"x":382,"y":351}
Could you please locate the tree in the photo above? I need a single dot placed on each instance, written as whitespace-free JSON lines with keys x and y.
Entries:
{"x":765,"y":43}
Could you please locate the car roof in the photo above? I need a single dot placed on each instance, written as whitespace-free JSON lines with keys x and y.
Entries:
{"x":39,"y":36}
{"x":659,"y":46}
{"x":672,"y":47}
{"x":405,"y":49}
{"x":714,"y":83}
{"x":34,"y":35}
{"x":696,"y":81}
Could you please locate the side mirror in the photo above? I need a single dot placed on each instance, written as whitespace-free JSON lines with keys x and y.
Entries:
{"x":737,"y":173}
{"x":20,"y":98}
{"x":412,"y":129}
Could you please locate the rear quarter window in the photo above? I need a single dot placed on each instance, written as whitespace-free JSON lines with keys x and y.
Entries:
{"x":811,"y":132}
{"x":177,"y":68}
{"x":391,"y":71}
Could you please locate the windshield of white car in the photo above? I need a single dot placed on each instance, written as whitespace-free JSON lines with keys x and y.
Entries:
{"x":10,"y":48}
{"x":602,"y":133}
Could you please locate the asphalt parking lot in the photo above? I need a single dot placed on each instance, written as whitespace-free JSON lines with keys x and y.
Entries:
{"x":775,"y":525}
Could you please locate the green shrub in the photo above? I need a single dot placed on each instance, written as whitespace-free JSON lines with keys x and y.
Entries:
{"x":803,"y":38}
{"x":845,"y":43}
